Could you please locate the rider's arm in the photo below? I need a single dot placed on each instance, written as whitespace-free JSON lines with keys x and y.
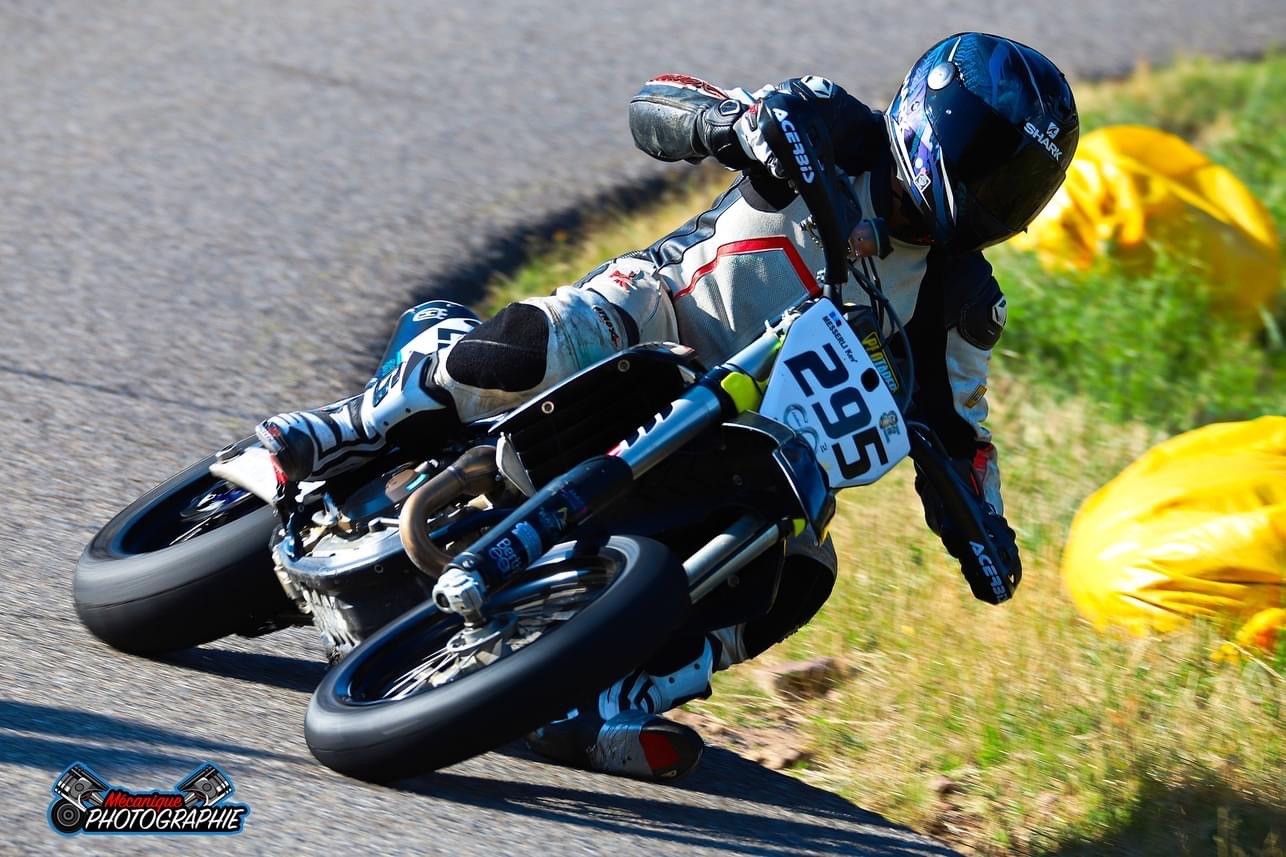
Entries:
{"x":958,"y":319}
{"x":676,"y":117}
{"x":959,"y":316}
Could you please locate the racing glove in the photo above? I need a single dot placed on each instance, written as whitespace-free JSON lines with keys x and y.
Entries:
{"x":810,"y":88}
{"x":752,"y":143}
{"x":679,"y":117}
{"x":973,"y":560}
{"x":719,"y":130}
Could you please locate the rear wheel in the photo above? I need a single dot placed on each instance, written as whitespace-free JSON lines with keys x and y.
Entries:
{"x":426,"y":692}
{"x":186,"y":563}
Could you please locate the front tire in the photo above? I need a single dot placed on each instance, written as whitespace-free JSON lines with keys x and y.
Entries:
{"x":152,"y":580}
{"x":367,"y":722}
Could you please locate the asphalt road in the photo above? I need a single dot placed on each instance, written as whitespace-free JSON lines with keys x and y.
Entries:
{"x":213,"y":211}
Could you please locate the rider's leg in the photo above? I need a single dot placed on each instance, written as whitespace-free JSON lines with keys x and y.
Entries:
{"x":524,"y":349}
{"x":532,"y":345}
{"x":329,"y":440}
{"x":620,"y":731}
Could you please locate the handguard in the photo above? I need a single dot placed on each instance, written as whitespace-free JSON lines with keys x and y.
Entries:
{"x":984,"y":567}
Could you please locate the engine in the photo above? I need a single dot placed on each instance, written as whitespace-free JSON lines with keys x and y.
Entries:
{"x":354,"y":576}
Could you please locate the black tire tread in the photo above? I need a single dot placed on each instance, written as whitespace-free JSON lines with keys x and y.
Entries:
{"x":218,"y":583}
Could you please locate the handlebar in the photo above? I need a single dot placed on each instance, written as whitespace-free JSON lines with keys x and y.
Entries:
{"x":803,"y":148}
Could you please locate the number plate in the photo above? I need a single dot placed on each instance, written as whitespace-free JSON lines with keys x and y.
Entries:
{"x":825,"y":387}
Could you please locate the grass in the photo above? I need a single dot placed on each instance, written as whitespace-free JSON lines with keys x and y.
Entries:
{"x":1109,"y":336}
{"x":1049,"y":732}
{"x":1020,"y":729}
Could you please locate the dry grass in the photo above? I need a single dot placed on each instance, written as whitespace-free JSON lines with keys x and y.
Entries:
{"x":1020,"y":729}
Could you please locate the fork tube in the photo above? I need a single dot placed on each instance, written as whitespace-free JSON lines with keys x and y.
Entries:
{"x":729,"y":552}
{"x":556,"y":509}
{"x":681,"y":421}
{"x":702,"y":406}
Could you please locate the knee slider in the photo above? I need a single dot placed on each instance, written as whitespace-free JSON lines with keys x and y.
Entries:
{"x":507,"y":352}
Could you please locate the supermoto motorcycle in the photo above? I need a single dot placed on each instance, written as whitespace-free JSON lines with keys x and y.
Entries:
{"x":600,"y":516}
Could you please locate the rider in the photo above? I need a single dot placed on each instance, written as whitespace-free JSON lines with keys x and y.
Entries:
{"x":973,"y":145}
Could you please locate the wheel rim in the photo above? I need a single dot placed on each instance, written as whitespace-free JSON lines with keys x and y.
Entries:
{"x":220,"y":499}
{"x":66,"y":816}
{"x":439,"y":649}
{"x":202,"y":505}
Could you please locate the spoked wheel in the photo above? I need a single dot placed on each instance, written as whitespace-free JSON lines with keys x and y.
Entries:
{"x":426,"y":691}
{"x":186,"y":563}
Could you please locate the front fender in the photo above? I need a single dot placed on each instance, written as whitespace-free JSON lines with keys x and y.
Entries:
{"x":801,"y":471}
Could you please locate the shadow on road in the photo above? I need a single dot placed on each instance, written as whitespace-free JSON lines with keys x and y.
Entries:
{"x":725,"y":774}
{"x":272,"y":670}
{"x":43,"y":736}
{"x":830,"y":825}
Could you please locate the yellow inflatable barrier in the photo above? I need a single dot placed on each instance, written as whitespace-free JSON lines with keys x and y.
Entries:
{"x":1196,"y":527}
{"x":1130,"y":187}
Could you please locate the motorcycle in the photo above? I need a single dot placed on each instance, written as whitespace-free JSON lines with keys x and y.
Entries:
{"x":598,"y":517}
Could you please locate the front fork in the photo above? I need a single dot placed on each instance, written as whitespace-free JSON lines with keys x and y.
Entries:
{"x":548,"y":516}
{"x":557,"y":509}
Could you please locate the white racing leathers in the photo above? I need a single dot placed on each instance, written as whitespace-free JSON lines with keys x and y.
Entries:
{"x":712,"y":283}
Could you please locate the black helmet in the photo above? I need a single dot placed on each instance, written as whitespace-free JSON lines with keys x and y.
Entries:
{"x":982,"y":132}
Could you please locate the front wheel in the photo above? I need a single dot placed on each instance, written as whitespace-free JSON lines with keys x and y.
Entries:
{"x":426,"y":692}
{"x":186,"y":563}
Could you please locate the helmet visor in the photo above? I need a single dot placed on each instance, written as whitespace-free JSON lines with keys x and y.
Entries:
{"x":919,"y":163}
{"x":1005,"y":167}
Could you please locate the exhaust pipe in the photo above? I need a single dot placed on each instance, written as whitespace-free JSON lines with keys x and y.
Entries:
{"x":471,"y":474}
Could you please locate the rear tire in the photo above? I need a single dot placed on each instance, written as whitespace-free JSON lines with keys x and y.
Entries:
{"x":353,"y":731}
{"x":142,"y":595}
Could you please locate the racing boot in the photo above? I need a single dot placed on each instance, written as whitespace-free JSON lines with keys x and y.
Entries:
{"x":331,"y":440}
{"x":621,"y":731}
{"x":334,"y":439}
